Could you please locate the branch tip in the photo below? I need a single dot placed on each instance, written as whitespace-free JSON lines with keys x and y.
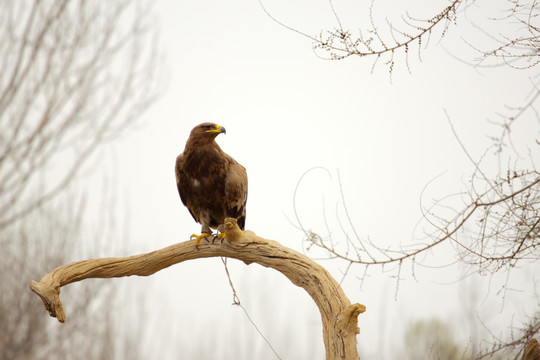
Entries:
{"x":51,"y":299}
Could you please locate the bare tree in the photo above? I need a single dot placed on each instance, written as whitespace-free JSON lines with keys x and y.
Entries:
{"x":75,"y":74}
{"x":46,"y":237}
{"x":494,"y":223}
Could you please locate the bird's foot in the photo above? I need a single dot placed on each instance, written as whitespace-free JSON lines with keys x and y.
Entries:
{"x":220,"y":236}
{"x":198,"y":238}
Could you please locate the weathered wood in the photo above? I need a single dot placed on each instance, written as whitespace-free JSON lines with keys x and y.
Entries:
{"x":532,"y":350}
{"x":339,"y":316}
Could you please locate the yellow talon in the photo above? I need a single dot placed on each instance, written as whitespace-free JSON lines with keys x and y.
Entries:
{"x":221,"y":236}
{"x":198,"y":237}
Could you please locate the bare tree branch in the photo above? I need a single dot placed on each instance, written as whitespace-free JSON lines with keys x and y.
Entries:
{"x":393,"y":41}
{"x":338,"y":315}
{"x":340,"y":43}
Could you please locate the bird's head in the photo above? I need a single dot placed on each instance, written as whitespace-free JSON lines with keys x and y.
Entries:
{"x":207,"y":130}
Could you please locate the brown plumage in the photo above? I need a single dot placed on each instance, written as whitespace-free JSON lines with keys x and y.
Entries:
{"x":211,"y":184}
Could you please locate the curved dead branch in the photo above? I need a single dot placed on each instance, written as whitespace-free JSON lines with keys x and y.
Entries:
{"x":338,"y":315}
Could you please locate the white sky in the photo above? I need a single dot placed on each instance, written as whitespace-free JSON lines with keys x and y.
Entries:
{"x":286,"y":111}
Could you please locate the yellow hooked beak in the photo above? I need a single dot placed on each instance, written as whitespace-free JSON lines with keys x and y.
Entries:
{"x":219,"y":129}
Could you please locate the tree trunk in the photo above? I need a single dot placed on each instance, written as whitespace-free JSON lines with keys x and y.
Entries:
{"x":338,"y":315}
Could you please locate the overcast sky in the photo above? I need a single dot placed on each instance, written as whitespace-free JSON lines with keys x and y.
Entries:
{"x":287,"y":111}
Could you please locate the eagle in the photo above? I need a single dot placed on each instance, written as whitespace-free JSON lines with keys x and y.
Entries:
{"x":211,"y":184}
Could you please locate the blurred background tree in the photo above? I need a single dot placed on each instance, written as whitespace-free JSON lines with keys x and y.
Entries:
{"x":75,"y":75}
{"x":431,"y":339}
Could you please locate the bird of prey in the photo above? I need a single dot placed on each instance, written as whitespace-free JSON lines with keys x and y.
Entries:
{"x":211,"y":184}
